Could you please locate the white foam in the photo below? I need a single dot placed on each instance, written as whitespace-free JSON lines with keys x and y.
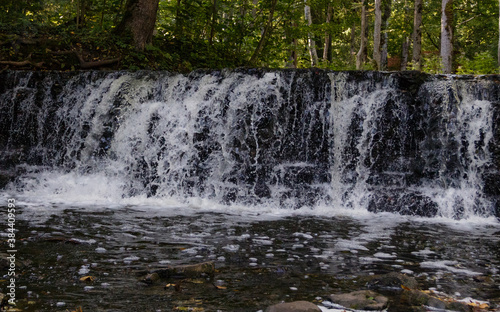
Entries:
{"x":447,"y":265}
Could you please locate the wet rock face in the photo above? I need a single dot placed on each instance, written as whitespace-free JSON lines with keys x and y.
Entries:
{"x":288,"y":137}
{"x":413,"y":204}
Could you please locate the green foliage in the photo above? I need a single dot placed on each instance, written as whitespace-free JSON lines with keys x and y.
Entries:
{"x":482,"y":63}
{"x":432,"y":64}
{"x":194,"y":34}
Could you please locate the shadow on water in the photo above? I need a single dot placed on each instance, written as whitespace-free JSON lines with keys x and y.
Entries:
{"x":257,"y":262}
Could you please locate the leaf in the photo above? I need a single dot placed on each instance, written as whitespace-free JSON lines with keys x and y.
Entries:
{"x":87,"y":278}
{"x":405,"y":288}
{"x":220,"y":287}
{"x":479,"y":305}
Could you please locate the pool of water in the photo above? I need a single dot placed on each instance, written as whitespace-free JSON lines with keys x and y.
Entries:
{"x":260,"y":260}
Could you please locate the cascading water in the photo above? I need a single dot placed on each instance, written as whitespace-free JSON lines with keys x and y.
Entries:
{"x":407,"y":142}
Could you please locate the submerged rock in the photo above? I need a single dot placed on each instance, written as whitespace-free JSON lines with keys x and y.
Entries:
{"x":181,"y":271}
{"x":295,"y":306}
{"x":392,"y":281}
{"x":361,"y":300}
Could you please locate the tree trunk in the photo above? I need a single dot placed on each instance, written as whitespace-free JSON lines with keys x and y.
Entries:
{"x":406,"y":40}
{"x":265,"y":32}
{"x":404,"y":53}
{"x":212,"y":22}
{"x":78,"y":13}
{"x":81,"y":11}
{"x":447,"y":36}
{"x":385,"y":38}
{"x":178,"y":21}
{"x":311,"y":42}
{"x":363,"y":49}
{"x":353,"y":43}
{"x":292,"y":61}
{"x":138,"y":22}
{"x":417,"y":35}
{"x":377,"y":56}
{"x":328,"y":36}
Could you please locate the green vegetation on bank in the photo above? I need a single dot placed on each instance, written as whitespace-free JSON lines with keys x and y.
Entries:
{"x":191,"y":34}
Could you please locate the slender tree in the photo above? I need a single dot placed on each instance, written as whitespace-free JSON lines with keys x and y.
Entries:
{"x":212,"y":22}
{"x":405,"y":49}
{"x":385,"y":37}
{"x":292,"y":61}
{"x":178,"y":20}
{"x":328,"y":35}
{"x":447,"y":36}
{"x":363,"y":49}
{"x":138,"y":22}
{"x":377,"y":56}
{"x":417,"y":35}
{"x":310,"y":40}
{"x":353,"y":44}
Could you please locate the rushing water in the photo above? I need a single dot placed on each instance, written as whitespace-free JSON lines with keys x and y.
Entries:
{"x":406,"y":143}
{"x":296,"y":184}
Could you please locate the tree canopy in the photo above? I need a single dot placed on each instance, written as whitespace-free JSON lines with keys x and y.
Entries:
{"x":190,"y":34}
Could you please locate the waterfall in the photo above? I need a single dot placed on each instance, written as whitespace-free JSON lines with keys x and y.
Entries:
{"x":405,"y":142}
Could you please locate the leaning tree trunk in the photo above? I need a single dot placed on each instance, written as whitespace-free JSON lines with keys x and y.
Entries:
{"x":377,"y":56}
{"x":447,"y":36}
{"x":265,"y":33}
{"x":311,"y":42}
{"x":417,"y":35}
{"x":138,"y":22}
{"x":363,"y":49}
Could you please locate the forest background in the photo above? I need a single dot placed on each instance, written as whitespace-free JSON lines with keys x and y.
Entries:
{"x":435,"y":36}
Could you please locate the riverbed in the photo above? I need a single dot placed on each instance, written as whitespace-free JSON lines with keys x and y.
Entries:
{"x":96,"y":258}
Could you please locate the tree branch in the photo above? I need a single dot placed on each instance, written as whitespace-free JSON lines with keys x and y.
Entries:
{"x":88,"y":65}
{"x":22,"y":63}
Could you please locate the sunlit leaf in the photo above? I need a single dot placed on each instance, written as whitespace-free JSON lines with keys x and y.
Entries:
{"x":87,"y":278}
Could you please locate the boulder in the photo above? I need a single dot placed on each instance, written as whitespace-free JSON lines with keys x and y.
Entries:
{"x":361,"y":300}
{"x":417,"y":298}
{"x":295,"y":306}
